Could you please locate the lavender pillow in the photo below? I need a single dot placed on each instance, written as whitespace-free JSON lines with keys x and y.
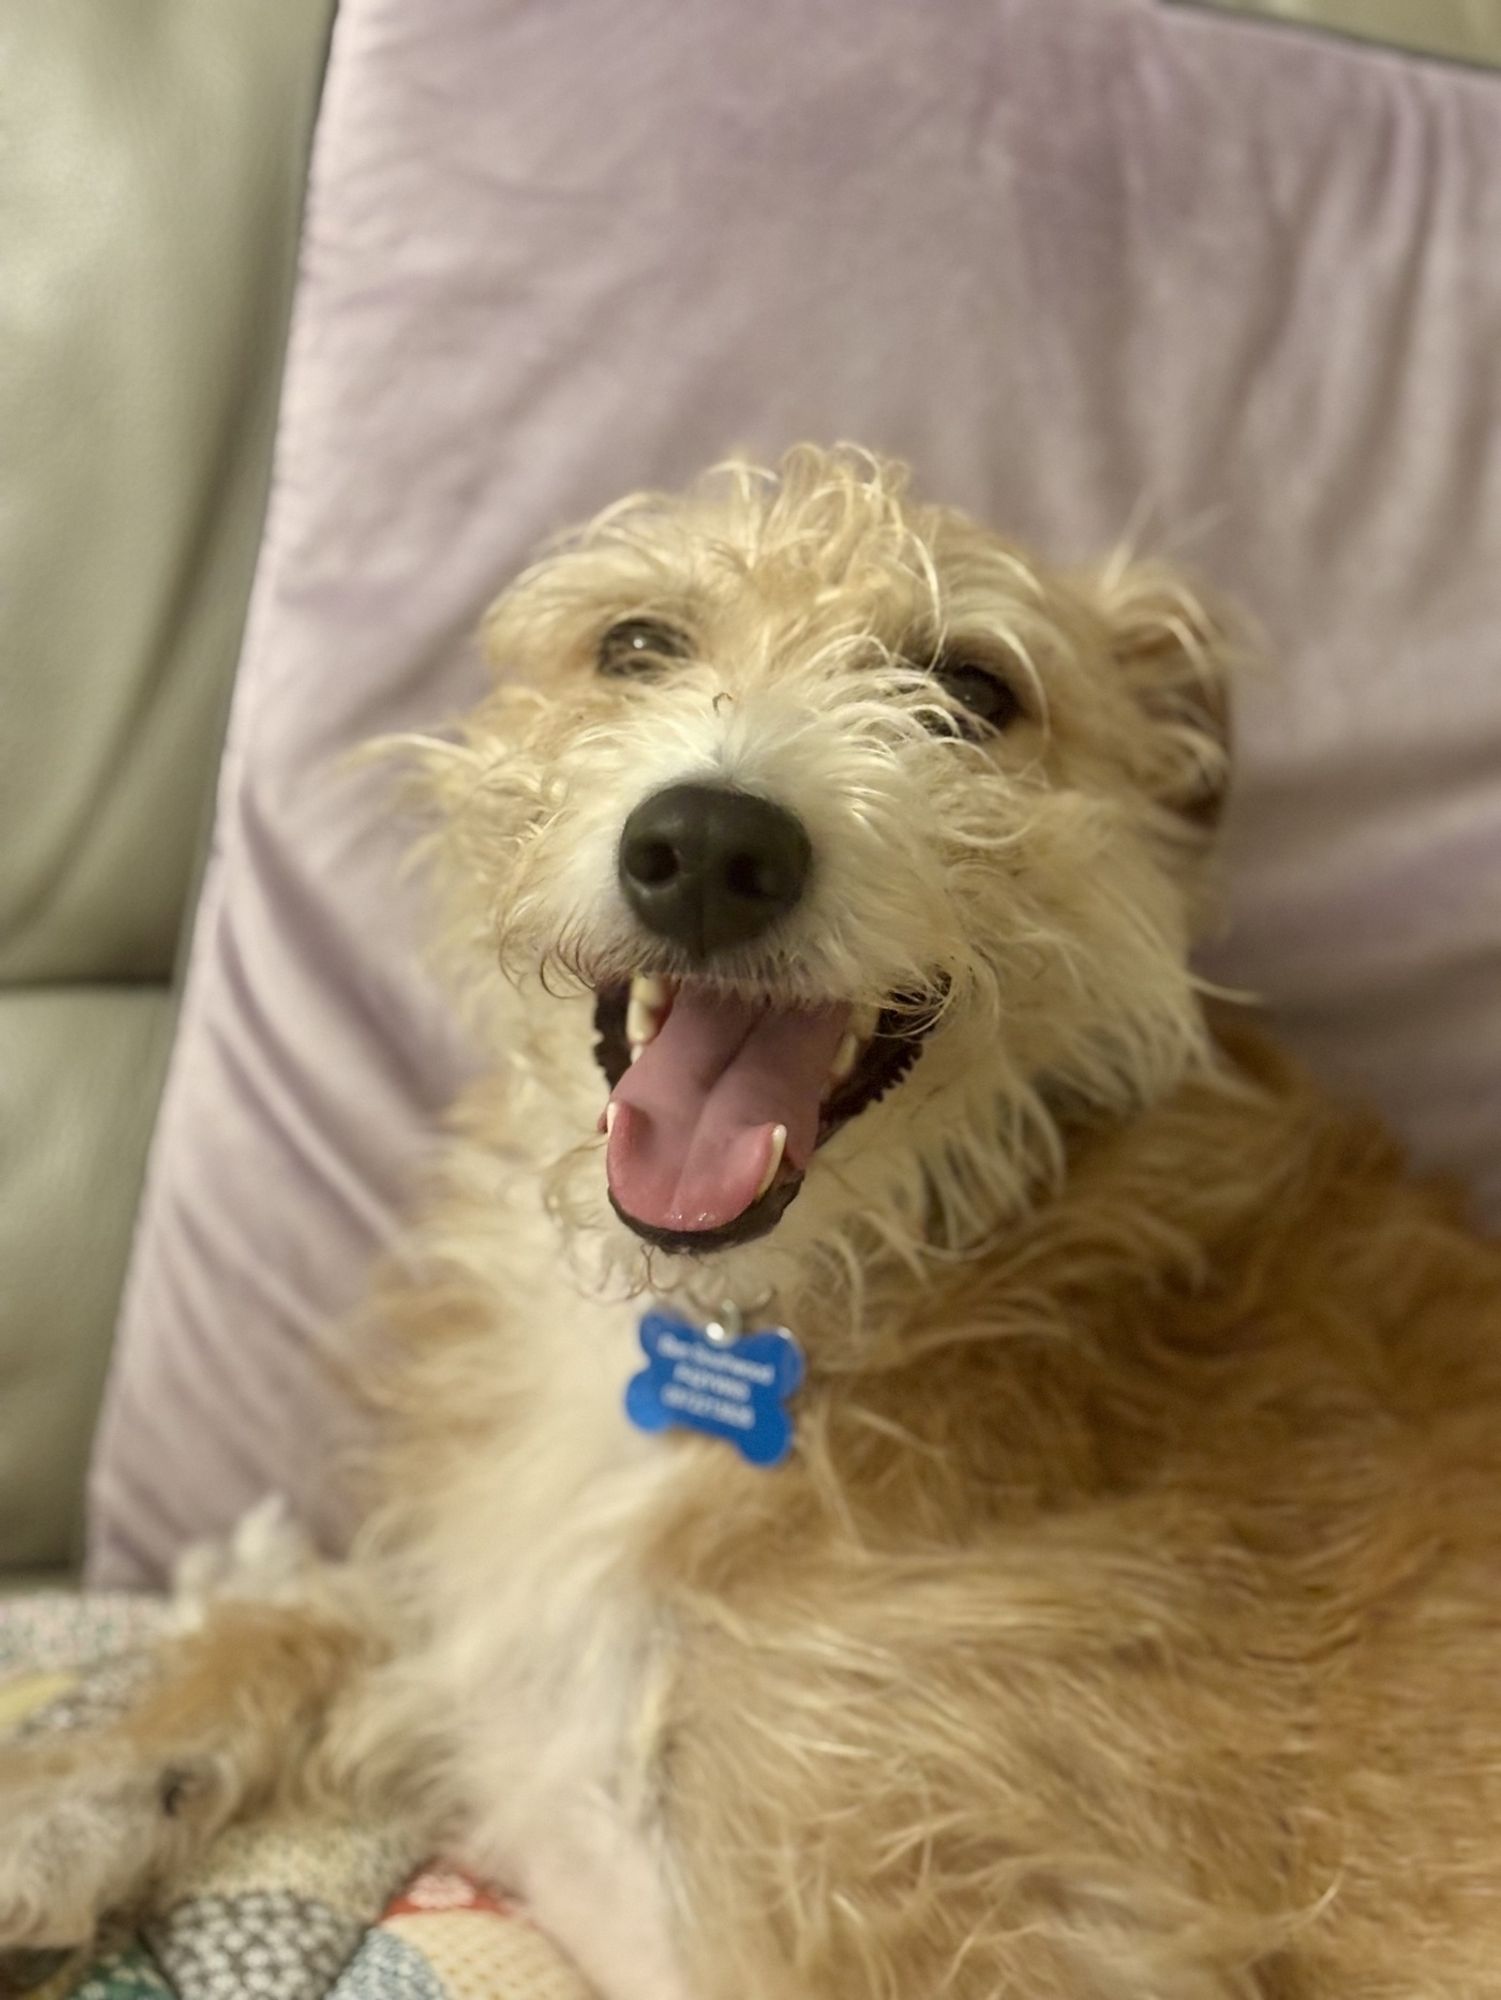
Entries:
{"x":1092,"y":265}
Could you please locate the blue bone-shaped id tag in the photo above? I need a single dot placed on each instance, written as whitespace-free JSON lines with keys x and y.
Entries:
{"x":732,"y":1388}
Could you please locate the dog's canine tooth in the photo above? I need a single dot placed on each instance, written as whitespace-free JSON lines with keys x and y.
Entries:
{"x":845,"y":1057}
{"x":612,"y":1112}
{"x":863,"y":1022}
{"x":778,"y":1147}
{"x":640,"y":1021}
{"x":651,"y":991}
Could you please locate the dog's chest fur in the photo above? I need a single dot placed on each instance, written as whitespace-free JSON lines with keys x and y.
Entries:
{"x":1083,"y":1561}
{"x":550,"y":1649}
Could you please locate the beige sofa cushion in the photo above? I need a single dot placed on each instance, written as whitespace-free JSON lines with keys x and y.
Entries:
{"x":75,"y":1108}
{"x":1464,"y":30}
{"x":152,"y":160}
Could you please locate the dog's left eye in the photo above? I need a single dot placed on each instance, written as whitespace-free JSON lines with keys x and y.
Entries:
{"x":637,"y":645}
{"x":980,"y":687}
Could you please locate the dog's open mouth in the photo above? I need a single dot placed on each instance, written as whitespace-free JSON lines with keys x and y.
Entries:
{"x":718,"y":1101}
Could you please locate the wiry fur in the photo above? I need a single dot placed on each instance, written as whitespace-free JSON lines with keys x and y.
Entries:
{"x":1043,"y":896}
{"x":1125,"y":1625}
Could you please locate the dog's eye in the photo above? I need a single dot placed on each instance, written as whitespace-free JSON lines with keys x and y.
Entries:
{"x":638,"y":645}
{"x":981,"y":689}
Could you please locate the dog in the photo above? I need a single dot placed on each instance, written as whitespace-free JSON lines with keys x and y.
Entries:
{"x":920,"y":1455}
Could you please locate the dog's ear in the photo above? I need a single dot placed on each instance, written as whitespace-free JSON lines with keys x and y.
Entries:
{"x":1176,"y":652}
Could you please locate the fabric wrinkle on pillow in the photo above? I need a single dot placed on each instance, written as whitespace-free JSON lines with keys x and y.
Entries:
{"x":1084,"y":262}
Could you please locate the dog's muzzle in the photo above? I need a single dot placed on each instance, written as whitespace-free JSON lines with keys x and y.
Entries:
{"x":710,"y":867}
{"x":720,"y":1093}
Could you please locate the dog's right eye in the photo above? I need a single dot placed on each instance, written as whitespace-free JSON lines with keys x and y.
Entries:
{"x":638,"y":645}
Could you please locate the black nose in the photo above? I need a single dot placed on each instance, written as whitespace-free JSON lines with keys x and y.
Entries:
{"x":708,"y":866}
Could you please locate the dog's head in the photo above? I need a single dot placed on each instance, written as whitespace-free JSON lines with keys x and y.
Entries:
{"x":832,"y":845}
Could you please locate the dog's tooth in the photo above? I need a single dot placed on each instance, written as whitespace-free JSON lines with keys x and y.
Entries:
{"x":778,"y":1147}
{"x":640,"y":1021}
{"x":638,"y":1049}
{"x":650,"y":991}
{"x":612,"y":1111}
{"x":845,"y":1057}
{"x":863,"y":1022}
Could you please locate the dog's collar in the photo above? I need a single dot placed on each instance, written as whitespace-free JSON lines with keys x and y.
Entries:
{"x":728,"y":1375}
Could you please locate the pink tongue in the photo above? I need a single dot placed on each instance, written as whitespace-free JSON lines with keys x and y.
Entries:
{"x":695,"y":1116}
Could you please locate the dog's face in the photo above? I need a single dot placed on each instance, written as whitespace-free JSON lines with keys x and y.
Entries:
{"x":831,"y":845}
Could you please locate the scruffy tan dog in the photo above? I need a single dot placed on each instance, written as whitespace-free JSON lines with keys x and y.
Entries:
{"x":1123,"y":1618}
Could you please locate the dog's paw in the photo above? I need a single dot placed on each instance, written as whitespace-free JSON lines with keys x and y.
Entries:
{"x":85,"y":1834}
{"x":269,"y":1557}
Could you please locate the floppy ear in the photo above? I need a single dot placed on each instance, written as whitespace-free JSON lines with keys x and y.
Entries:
{"x":1177,"y":654}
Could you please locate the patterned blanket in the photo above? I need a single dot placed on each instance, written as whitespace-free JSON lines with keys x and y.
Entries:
{"x":287,"y":1909}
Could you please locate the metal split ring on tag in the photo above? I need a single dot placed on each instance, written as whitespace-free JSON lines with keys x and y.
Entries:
{"x":727,"y":1325}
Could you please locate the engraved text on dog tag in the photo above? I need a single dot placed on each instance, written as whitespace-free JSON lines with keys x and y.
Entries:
{"x":732,"y":1387}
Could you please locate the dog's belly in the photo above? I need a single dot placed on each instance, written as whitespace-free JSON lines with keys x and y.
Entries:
{"x":548,"y":1654}
{"x":558,"y":1807}
{"x":593,"y":1884}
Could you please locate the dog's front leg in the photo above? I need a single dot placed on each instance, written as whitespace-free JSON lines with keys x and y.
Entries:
{"x":98,"y":1822}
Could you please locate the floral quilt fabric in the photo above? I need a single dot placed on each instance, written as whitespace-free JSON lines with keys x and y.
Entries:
{"x":294,"y":1908}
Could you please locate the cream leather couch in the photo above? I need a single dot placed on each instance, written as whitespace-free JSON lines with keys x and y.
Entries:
{"x":1463,"y":30}
{"x":153,"y":156}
